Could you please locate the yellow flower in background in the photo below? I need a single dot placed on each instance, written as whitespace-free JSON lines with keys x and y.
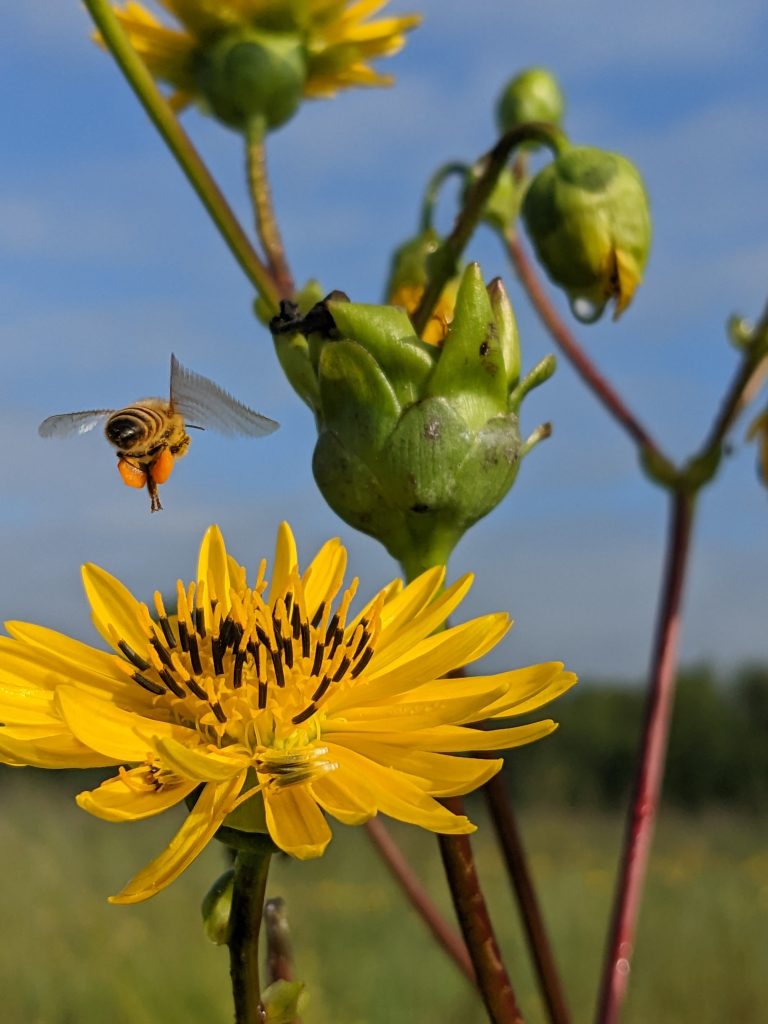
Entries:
{"x":271,"y":705}
{"x":337,"y":38}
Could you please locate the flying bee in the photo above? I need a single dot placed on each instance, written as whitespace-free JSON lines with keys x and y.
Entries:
{"x":152,"y":433}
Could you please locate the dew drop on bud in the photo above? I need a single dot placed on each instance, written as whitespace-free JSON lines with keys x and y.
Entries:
{"x":585,"y":310}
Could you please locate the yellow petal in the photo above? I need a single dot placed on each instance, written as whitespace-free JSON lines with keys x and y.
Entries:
{"x":216,"y":801}
{"x":197,"y":763}
{"x":430,"y":659}
{"x":25,"y":705}
{"x":43,"y":658}
{"x":324,"y":575}
{"x":213,"y":565}
{"x":443,"y":774}
{"x":408,"y":603}
{"x":295,"y":822}
{"x":58,"y":751}
{"x":115,"y":800}
{"x":344,"y":795}
{"x":111,"y":730}
{"x":113,"y":605}
{"x":286,"y":561}
{"x":560,"y":682}
{"x":399,"y":797}
{"x":413,"y":714}
{"x":453,"y":739}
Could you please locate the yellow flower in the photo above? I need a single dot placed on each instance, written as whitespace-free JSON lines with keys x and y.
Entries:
{"x":409,"y":296}
{"x":338,"y":38}
{"x":271,"y":705}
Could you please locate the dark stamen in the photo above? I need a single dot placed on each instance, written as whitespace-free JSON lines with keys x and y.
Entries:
{"x":288,"y":599}
{"x":263,"y":638}
{"x":296,"y":621}
{"x":197,"y":689}
{"x":338,"y":636}
{"x":183,"y":636}
{"x":147,"y":683}
{"x":237,"y":677}
{"x":363,"y":641}
{"x":262,"y":695}
{"x":162,"y":654}
{"x":165,"y":625}
{"x":217,"y":650}
{"x":277,"y":663}
{"x":200,"y":622}
{"x":332,"y":626}
{"x":305,"y":639}
{"x":321,"y":689}
{"x":134,"y":658}
{"x":171,"y":683}
{"x":367,"y":655}
{"x":308,"y":711}
{"x":316,"y":618}
{"x":319,"y":653}
{"x":288,"y":651}
{"x":235,"y":636}
{"x":194,"y":655}
{"x":341,"y":670}
{"x":218,"y":710}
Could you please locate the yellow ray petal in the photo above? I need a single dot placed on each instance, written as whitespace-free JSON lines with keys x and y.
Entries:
{"x":558,"y":684}
{"x":113,"y":605}
{"x":82,"y":656}
{"x":115,"y":800}
{"x":396,"y":795}
{"x":414,"y":714}
{"x":443,"y":774}
{"x":430,"y":659}
{"x":394,"y":644}
{"x":48,"y":666}
{"x":197,"y":763}
{"x":213,"y":565}
{"x":345,"y":796}
{"x":295,"y":822}
{"x":216,"y":800}
{"x":323,"y":575}
{"x":410,"y":601}
{"x":59,"y":751}
{"x":454,"y":739}
{"x":21,"y":704}
{"x":286,"y":561}
{"x":111,"y":730}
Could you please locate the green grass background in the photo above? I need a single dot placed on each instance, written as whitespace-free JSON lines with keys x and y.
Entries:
{"x":67,"y":957}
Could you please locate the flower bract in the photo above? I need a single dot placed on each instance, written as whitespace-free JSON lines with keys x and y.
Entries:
{"x":268,"y":707}
{"x":338,"y":39}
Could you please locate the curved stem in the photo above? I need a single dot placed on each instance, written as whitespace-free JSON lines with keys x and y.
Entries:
{"x":432,"y":191}
{"x":250,"y":882}
{"x":533,"y":922}
{"x":177,"y":140}
{"x":475,"y":923}
{"x":266,"y":222}
{"x":566,"y":342}
{"x":444,"y":262}
{"x":403,"y":873}
{"x":650,"y":766}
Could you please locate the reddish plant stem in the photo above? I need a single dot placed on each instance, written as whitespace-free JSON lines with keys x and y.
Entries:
{"x":475,"y":923}
{"x":279,"y":954}
{"x":565,"y":340}
{"x":650,"y":768}
{"x":393,"y":857}
{"x":533,"y":922}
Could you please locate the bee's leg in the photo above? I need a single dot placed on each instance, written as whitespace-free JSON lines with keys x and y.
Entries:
{"x":131,"y":474}
{"x":154,"y":499}
{"x":162,"y":467}
{"x":180,"y":449}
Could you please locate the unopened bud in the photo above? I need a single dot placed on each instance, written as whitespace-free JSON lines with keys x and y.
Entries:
{"x":533,"y":95}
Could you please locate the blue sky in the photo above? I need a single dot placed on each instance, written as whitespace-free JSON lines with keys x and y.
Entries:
{"x":108,"y":263}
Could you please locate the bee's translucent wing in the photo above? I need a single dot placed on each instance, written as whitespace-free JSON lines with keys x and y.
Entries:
{"x":204,"y":404}
{"x":68,"y":424}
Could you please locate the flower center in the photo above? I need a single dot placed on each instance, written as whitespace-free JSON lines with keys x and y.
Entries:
{"x":253,"y":675}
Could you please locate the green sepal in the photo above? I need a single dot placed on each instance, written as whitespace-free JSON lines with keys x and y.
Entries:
{"x":248,"y":816}
{"x":470,"y":370}
{"x":374,"y":327}
{"x":293,"y":354}
{"x":358,"y":402}
{"x":509,"y":335}
{"x":348,"y":484}
{"x":489,"y":468}
{"x":409,"y":261}
{"x":216,"y":908}
{"x":283,"y":1001}
{"x":541,"y":373}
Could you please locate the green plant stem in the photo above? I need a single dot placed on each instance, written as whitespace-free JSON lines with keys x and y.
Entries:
{"x":251,"y":869}
{"x":475,"y":923}
{"x":511,"y":843}
{"x":404,"y":874}
{"x":641,"y":818}
{"x":444,"y":262}
{"x":160,"y":113}
{"x":261,"y":197}
{"x":434,"y":187}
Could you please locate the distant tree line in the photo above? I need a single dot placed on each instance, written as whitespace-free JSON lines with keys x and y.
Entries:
{"x":718,"y":751}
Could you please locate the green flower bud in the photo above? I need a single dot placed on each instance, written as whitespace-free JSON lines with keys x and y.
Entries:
{"x":587,"y":215}
{"x":217,"y":907}
{"x":251,"y":76}
{"x":533,"y":95}
{"x":503,"y":204}
{"x":416,"y":442}
{"x":283,"y":1001}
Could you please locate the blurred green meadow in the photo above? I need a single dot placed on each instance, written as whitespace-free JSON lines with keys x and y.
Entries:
{"x":68,"y":957}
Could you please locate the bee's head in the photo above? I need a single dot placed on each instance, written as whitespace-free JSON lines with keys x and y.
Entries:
{"x":124,"y":431}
